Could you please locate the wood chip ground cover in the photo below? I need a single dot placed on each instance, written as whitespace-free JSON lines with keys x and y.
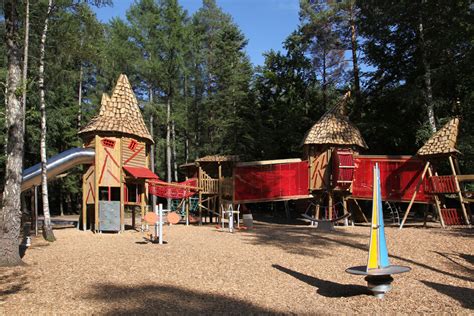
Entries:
{"x":272,"y":269}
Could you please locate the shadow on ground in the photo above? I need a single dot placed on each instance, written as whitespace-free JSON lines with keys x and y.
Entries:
{"x":301,"y":240}
{"x":463,"y":295}
{"x":167,"y":299}
{"x":326,"y":288}
{"x":12,"y":282}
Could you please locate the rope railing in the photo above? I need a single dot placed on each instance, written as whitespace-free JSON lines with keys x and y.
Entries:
{"x":173,"y":190}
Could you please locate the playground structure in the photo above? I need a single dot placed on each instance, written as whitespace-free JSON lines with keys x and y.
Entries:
{"x":117,"y":178}
{"x":213,"y":176}
{"x":331,"y":174}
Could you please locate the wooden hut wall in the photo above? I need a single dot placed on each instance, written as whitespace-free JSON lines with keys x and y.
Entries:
{"x":108,"y":161}
{"x":133,"y":153}
{"x":319,"y":167}
{"x":89,"y":192}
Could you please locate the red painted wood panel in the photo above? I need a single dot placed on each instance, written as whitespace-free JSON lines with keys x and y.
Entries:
{"x":257,"y":183}
{"x":399,"y":176}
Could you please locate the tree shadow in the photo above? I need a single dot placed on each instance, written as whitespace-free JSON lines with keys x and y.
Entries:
{"x":300,"y":240}
{"x":167,"y":299}
{"x":326,"y":288}
{"x":454,"y":257}
{"x":12,"y":282}
{"x":463,"y":295}
{"x":419,"y":264}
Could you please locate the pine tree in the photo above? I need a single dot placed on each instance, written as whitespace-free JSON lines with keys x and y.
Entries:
{"x":318,"y":27}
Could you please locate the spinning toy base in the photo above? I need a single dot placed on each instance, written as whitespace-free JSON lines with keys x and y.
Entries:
{"x":378,"y":280}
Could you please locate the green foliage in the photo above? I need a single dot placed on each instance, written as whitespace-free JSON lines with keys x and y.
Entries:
{"x":222,"y":105}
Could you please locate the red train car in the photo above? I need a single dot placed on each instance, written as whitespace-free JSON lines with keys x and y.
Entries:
{"x":399,"y":176}
{"x":275,"y":180}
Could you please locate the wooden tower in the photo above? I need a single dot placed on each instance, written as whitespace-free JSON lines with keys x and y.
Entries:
{"x":442,"y":146}
{"x":329,"y":147}
{"x":122,"y":144}
{"x":215,"y":180}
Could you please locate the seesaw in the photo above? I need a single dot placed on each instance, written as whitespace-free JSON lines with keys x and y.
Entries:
{"x":326,"y":224}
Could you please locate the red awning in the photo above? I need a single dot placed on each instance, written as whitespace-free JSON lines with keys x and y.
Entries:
{"x":141,"y":172}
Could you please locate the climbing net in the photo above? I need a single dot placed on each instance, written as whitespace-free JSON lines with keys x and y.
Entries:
{"x":173,"y":190}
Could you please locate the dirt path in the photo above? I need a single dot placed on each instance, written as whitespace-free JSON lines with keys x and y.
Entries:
{"x":272,"y":269}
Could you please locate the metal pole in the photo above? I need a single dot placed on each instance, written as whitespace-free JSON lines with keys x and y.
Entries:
{"x":231,"y":219}
{"x":157,"y":221}
{"x":160,"y":209}
{"x":36,"y":210}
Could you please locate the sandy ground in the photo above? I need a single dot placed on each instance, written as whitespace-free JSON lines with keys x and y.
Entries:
{"x":274,"y":268}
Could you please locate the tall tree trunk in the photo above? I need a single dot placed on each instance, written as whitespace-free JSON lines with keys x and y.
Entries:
{"x":175,"y":164}
{"x":428,"y":92}
{"x":25,"y":58}
{"x":355,"y":62}
{"x":152,"y":156}
{"x":186,"y":147}
{"x":79,"y":98}
{"x":324,"y":87}
{"x":186,"y":139}
{"x":168,"y":143}
{"x":10,"y":216}
{"x":47,"y":228}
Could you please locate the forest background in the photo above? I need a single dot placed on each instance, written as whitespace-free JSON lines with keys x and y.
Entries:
{"x":198,"y":88}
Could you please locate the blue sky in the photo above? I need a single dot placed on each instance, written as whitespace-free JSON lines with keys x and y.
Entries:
{"x":265,"y":23}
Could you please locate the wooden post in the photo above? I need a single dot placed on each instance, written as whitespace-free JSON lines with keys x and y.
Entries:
{"x":360,"y":210}
{"x":344,"y":206}
{"x":330,"y":204}
{"x":84,"y":202}
{"x":96,"y":184}
{"x":316,"y":215}
{"x":219,"y":190}
{"x":414,"y":194}
{"x":36,"y":209}
{"x":122,"y":181}
{"x":142,"y":205}
{"x":458,"y":188}
{"x":437,"y":202}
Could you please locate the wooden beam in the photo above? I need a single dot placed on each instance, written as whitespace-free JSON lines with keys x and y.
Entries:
{"x":360,"y":210}
{"x":461,"y":200}
{"x":122,"y":179}
{"x":344,"y":205}
{"x":96,"y":183}
{"x":465,"y":177}
{"x":414,"y":194}
{"x":84,"y":202}
{"x":330,"y":204}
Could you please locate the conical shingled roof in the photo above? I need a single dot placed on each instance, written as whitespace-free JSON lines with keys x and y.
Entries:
{"x":119,"y":113}
{"x":443,"y":141}
{"x":335,"y":128}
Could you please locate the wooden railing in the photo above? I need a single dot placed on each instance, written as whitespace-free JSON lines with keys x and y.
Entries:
{"x":442,"y":184}
{"x":208,"y":184}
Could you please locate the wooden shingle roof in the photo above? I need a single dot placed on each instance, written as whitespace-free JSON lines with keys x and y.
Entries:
{"x":334,"y":128}
{"x":443,"y":141}
{"x":119,"y":113}
{"x":219,"y":158}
